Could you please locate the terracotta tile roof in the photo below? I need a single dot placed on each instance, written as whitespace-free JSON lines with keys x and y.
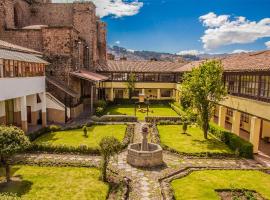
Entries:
{"x":139,"y":66}
{"x":255,"y":61}
{"x":14,"y":47}
{"x":90,"y":76}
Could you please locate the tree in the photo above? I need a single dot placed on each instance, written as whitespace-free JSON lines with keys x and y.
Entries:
{"x":131,"y":84}
{"x":12,"y":141}
{"x":109,"y":146}
{"x":202,"y":89}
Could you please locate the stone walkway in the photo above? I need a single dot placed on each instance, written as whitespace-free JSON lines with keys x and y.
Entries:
{"x":145,"y":183}
{"x":58,"y":159}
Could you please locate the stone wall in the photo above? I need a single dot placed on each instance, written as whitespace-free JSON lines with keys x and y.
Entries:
{"x":52,"y":14}
{"x":27,"y":38}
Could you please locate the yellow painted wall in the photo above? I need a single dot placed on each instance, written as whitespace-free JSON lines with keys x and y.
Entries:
{"x":266,"y":129}
{"x":253,"y":107}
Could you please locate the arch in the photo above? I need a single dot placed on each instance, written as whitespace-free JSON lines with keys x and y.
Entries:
{"x":18,"y":15}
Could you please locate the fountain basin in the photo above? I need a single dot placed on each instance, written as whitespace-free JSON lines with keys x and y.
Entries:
{"x":150,"y":158}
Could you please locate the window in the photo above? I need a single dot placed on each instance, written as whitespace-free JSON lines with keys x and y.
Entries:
{"x":165,"y":92}
{"x":249,"y":85}
{"x":139,"y":76}
{"x":244,"y":118}
{"x":136,"y":93}
{"x":151,"y":77}
{"x":119,"y":76}
{"x":167,"y":78}
{"x":38,"y":99}
{"x":232,"y":83}
{"x":265,"y":87}
{"x":229,"y":112}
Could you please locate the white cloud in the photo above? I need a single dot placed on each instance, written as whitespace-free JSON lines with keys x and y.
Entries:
{"x":267,"y":44}
{"x":117,"y":42}
{"x":212,"y":20}
{"x":189,"y":52}
{"x":117,"y":8}
{"x":222,"y":30}
{"x":131,"y":50}
{"x":241,"y":51}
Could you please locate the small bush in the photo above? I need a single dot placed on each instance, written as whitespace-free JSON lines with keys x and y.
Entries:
{"x":84,"y":129}
{"x":100,"y":103}
{"x":237,"y":144}
{"x":99,"y":111}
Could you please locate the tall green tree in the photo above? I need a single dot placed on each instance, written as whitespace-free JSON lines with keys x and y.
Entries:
{"x":109,"y":146}
{"x":202,"y":89}
{"x":131,"y":84}
{"x":12,"y":141}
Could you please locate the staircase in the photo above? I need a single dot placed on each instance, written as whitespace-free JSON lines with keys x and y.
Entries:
{"x":263,"y":159}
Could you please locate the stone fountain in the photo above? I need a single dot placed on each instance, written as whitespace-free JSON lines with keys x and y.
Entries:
{"x":144,"y":154}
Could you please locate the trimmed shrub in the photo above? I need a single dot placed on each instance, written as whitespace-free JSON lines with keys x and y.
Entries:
{"x":100,"y":103}
{"x":237,"y":144}
{"x":181,"y":112}
{"x":99,"y":111}
{"x":157,"y":119}
{"x":82,"y":149}
{"x":52,"y":128}
{"x":115,"y":118}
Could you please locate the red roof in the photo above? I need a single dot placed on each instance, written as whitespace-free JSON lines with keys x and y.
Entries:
{"x":254,"y":61}
{"x":90,"y":76}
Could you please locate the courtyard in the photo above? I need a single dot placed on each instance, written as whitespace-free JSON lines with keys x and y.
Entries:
{"x":162,"y":110}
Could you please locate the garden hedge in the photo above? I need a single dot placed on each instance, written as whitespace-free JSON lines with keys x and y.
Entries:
{"x":115,"y":118}
{"x":159,"y":119}
{"x":237,"y":144}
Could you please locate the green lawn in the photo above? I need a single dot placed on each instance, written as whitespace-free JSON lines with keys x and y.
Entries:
{"x":56,"y":183}
{"x":202,"y":184}
{"x":76,"y":138}
{"x":193,"y":142}
{"x":155,"y":110}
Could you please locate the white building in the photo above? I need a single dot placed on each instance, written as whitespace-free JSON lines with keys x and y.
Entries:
{"x":22,"y":86}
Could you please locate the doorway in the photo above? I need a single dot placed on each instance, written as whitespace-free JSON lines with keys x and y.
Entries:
{"x":29,"y":118}
{"x":9,"y":106}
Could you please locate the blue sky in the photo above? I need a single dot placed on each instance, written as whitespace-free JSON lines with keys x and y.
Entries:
{"x":174,"y":25}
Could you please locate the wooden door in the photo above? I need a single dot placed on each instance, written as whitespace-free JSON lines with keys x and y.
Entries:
{"x":9,"y":106}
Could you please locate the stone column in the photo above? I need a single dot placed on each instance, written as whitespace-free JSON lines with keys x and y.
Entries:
{"x":173,"y":94}
{"x":24,"y":123}
{"x":222,"y":116}
{"x":34,"y":112}
{"x":236,"y":122}
{"x":92,"y":99}
{"x":255,"y":129}
{"x":111,"y":95}
{"x":143,"y":91}
{"x":2,"y":113}
{"x":44,"y":110}
{"x":158,"y":93}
